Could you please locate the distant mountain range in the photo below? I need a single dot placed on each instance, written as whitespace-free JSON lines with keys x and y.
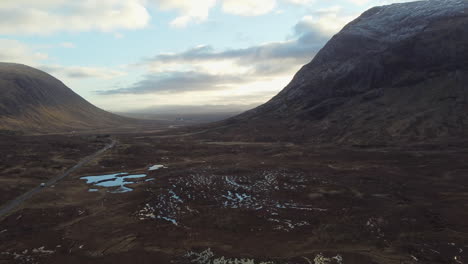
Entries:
{"x":398,"y":73}
{"x":34,"y":101}
{"x":188,"y":114}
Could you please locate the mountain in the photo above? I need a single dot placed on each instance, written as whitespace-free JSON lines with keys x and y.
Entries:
{"x":34,"y":101}
{"x":396,"y":74}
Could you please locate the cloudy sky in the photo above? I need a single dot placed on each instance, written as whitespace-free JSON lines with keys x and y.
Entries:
{"x":124,"y":55}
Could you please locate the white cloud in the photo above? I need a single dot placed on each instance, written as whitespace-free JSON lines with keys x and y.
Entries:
{"x":118,"y":35}
{"x":18,"y":52}
{"x":248,"y":7}
{"x":300,"y":2}
{"x":359,"y":2}
{"x":266,"y":67}
{"x":14,"y":51}
{"x":327,"y":21}
{"x":378,"y":2}
{"x":41,"y":17}
{"x":30,"y":4}
{"x":183,"y":21}
{"x":80,"y":72}
{"x":67,"y":45}
{"x":189,"y":10}
{"x":48,"y":16}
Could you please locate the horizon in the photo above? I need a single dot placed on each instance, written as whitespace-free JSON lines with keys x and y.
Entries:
{"x":131,"y":55}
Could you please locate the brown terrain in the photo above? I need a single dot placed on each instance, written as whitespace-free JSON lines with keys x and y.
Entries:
{"x":262,"y":202}
{"x":27,"y":161}
{"x":344,"y":166}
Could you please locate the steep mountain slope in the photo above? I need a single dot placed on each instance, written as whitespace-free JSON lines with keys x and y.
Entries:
{"x":398,"y":73}
{"x":34,"y":101}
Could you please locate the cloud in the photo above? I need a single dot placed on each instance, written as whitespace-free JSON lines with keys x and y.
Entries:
{"x":18,"y":52}
{"x":257,"y":58}
{"x":80,"y":72}
{"x":118,"y":35}
{"x":359,"y":2}
{"x":189,"y":10}
{"x":67,"y":45}
{"x":300,"y":2}
{"x":176,"y":82}
{"x":14,"y":51}
{"x":248,"y":7}
{"x":379,"y":2}
{"x":29,"y":3}
{"x":198,"y":11}
{"x":252,"y":99}
{"x":50,"y":16}
{"x":327,"y":21}
{"x":203,"y":68}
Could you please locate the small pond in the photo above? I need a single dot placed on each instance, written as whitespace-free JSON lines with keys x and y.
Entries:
{"x":117,"y":182}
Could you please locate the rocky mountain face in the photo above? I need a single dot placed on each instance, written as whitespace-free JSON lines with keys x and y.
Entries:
{"x":34,"y":101}
{"x":396,"y":74}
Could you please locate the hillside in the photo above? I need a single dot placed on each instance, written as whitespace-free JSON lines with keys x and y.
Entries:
{"x":396,"y":74}
{"x":34,"y":101}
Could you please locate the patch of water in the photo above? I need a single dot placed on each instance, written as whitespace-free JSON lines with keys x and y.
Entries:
{"x":118,"y":180}
{"x":175,"y":196}
{"x":149,"y":212}
{"x":236,"y":200}
{"x":172,"y":220}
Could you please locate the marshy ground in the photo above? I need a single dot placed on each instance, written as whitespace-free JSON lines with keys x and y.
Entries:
{"x":234,"y":202}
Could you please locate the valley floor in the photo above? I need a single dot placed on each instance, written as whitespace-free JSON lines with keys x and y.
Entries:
{"x":233,"y":202}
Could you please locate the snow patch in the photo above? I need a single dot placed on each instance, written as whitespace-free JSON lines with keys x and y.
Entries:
{"x":156,"y":167}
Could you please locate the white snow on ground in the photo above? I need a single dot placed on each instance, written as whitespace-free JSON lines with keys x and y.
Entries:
{"x":254,"y":193}
{"x":28,"y":256}
{"x":156,"y":167}
{"x":208,"y":257}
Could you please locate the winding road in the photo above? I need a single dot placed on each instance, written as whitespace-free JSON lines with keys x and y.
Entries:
{"x":13,"y":204}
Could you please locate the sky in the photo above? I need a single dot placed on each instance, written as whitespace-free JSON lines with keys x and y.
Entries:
{"x":128,"y":55}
